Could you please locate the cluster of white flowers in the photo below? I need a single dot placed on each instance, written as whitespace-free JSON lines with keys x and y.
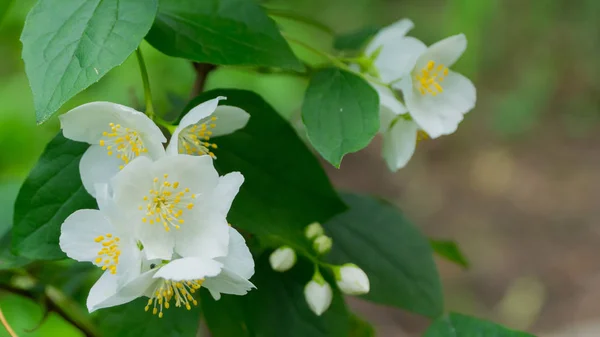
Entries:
{"x":161,"y":229}
{"x":435,"y":97}
{"x":318,"y":293}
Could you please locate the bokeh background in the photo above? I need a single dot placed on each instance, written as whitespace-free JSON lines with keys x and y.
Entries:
{"x":518,"y":186}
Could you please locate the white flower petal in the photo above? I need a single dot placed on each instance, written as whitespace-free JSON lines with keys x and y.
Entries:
{"x":445,"y":52}
{"x":107,"y":293}
{"x":229,"y":120}
{"x":227,"y":282}
{"x":238,"y":259}
{"x":226,"y":190}
{"x":203,"y":235}
{"x":158,"y":243}
{"x":79,"y":231}
{"x":399,"y":143}
{"x":96,"y":167}
{"x":194,"y":172}
{"x":130,"y":186}
{"x":389,"y":35}
{"x":189,"y":268}
{"x":398,"y":59}
{"x":318,"y":296}
{"x":389,"y":106}
{"x":436,"y":115}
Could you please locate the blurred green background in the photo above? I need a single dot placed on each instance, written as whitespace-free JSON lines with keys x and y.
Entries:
{"x":517,"y":186}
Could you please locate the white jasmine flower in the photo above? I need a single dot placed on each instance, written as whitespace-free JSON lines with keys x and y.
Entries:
{"x":117,"y":135}
{"x":322,"y":244}
{"x":177,"y":204}
{"x":351,"y":279}
{"x":282,"y":259}
{"x":168,"y":283}
{"x":313,"y":230}
{"x":204,"y":122}
{"x":318,"y":294}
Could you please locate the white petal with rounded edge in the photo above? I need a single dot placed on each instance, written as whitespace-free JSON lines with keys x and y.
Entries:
{"x":397,"y":60}
{"x":78,"y":232}
{"x":158,"y":243}
{"x":389,"y":106}
{"x":97,"y":167}
{"x":194,"y":172}
{"x":446,"y":51}
{"x":436,"y":115}
{"x":229,"y":120}
{"x":193,"y":116}
{"x":106,"y":292}
{"x":399,"y":143}
{"x":189,"y":268}
{"x":226,"y":190}
{"x":238,"y":259}
{"x":227,"y":282}
{"x":205,"y":234}
{"x":389,"y":35}
{"x":130,"y":186}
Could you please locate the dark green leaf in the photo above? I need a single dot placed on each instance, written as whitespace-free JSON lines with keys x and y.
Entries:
{"x":7,"y":259}
{"x":275,"y":308}
{"x":457,"y":325}
{"x":355,"y":40}
{"x":360,"y":328}
{"x":70,"y":44}
{"x":395,"y":255}
{"x":131,"y":320}
{"x":285,"y":188}
{"x":229,"y":32}
{"x":341,"y":113}
{"x":48,"y":196}
{"x":450,"y":251}
{"x":8,"y":195}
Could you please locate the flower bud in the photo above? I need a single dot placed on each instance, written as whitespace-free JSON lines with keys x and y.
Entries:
{"x":351,"y":279}
{"x":318,"y":294}
{"x":322,"y":244}
{"x":282,"y":259}
{"x":313,"y":230}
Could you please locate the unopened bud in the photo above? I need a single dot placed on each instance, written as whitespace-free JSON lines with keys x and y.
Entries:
{"x":282,"y":259}
{"x":313,"y":230}
{"x":351,"y":279}
{"x":318,"y":294}
{"x":322,"y":244}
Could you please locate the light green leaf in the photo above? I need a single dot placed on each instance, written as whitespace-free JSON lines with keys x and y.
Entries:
{"x":285,"y":188}
{"x":52,"y":191}
{"x":275,"y":308}
{"x":395,"y":255}
{"x":229,"y":32}
{"x":340,"y":112}
{"x":457,"y":325}
{"x":70,"y":44}
{"x":450,"y":251}
{"x":131,"y":320}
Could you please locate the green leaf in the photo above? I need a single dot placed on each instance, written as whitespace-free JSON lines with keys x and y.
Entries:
{"x":7,"y":259}
{"x":70,"y":44}
{"x":340,"y":112}
{"x":275,"y":308}
{"x":450,"y":251}
{"x":355,"y":40}
{"x":131,"y":320}
{"x":228,"y":32}
{"x":457,"y":325}
{"x":395,"y":255}
{"x":285,"y":188}
{"x":52,"y":191}
{"x":360,"y":327}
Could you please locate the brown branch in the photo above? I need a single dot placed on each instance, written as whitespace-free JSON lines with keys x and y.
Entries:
{"x":202,"y":70}
{"x":7,"y":326}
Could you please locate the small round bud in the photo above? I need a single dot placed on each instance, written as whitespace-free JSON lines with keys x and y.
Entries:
{"x":322,"y":244}
{"x":282,"y":259}
{"x":318,"y":295}
{"x":351,"y":279}
{"x":313,"y":230}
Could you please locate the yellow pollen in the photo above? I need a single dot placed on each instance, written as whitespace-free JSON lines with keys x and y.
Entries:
{"x":108,"y":255}
{"x":166,"y":202}
{"x":422,"y":135}
{"x":179,"y":291}
{"x":127,"y":143}
{"x":193,"y":140}
{"x":428,"y":80}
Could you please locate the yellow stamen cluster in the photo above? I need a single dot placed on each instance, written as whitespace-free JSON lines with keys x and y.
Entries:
{"x":194,"y":140}
{"x":429,"y":78}
{"x":180,"y":290}
{"x":422,"y":135}
{"x":125,"y":143}
{"x":108,"y":255}
{"x":166,"y":202}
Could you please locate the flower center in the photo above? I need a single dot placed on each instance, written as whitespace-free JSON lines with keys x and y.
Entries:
{"x":429,"y":78}
{"x":125,"y":142}
{"x":108,"y":255}
{"x":166,"y":202}
{"x":181,"y":291}
{"x":422,"y":135}
{"x":194,"y":140}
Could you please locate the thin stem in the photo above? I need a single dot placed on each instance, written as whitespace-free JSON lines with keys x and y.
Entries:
{"x":7,"y":326}
{"x":146,"y":82}
{"x":299,"y":18}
